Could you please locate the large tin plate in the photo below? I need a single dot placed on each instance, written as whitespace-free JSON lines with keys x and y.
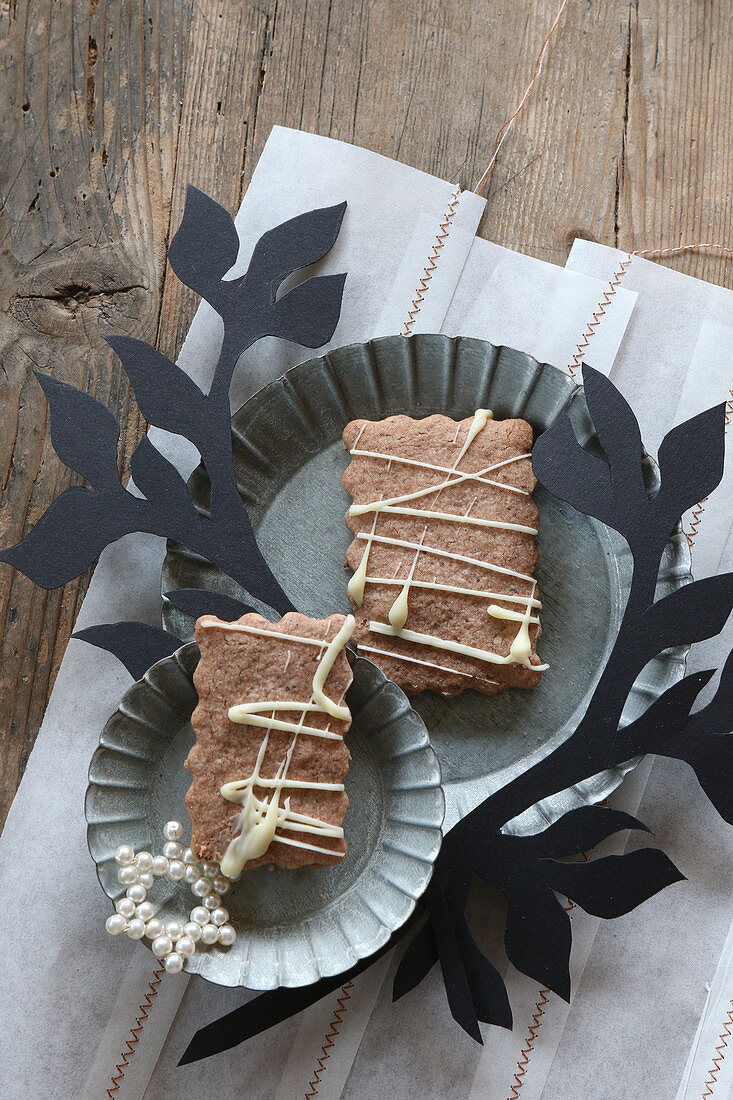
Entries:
{"x":294,"y":927}
{"x":289,"y":460}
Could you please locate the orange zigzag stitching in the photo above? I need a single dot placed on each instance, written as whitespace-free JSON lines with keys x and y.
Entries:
{"x":328,"y":1043}
{"x":432,"y":262}
{"x":536,"y":1025}
{"x":599,"y":312}
{"x":723,"y":1043}
{"x":135,"y":1031}
{"x":698,"y":510}
{"x":524,"y":1059}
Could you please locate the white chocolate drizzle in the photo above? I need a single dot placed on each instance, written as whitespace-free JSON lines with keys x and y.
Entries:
{"x":454,"y":647}
{"x":427,"y":664}
{"x":521,"y":647}
{"x":493,"y":610}
{"x":359,"y":509}
{"x":454,"y":517}
{"x":260,"y":817}
{"x":445,"y":554}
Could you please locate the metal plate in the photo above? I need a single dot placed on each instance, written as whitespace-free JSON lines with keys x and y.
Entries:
{"x":289,"y":460}
{"x":297,"y":926}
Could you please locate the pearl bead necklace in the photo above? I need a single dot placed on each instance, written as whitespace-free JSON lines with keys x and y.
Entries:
{"x":175,"y":941}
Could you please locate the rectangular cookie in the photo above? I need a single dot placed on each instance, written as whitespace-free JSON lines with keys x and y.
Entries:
{"x":295,"y":747}
{"x":444,"y":551}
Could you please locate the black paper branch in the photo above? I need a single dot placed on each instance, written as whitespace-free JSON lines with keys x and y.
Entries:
{"x":82,"y":521}
{"x":532,"y":871}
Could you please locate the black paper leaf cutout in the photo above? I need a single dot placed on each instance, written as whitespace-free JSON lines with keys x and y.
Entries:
{"x":612,"y":491}
{"x":267,"y":1009}
{"x":167,"y":397}
{"x":711,"y":758}
{"x":309,"y":313}
{"x":685,"y":483}
{"x":618,"y":433}
{"x":578,"y":831}
{"x":690,"y":614}
{"x":68,"y":537}
{"x":571,"y":473}
{"x":84,"y":432}
{"x":704,"y":740}
{"x":137,"y":646}
{"x":158,"y":479}
{"x":455,"y":976}
{"x":205,"y":245}
{"x":295,"y":244}
{"x":488,"y":992}
{"x":538,"y":938}
{"x":416,"y":963}
{"x":201,"y":601}
{"x":614,"y":885}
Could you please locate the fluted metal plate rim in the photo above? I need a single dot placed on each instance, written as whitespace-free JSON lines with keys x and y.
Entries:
{"x":292,"y":422}
{"x":393,"y":829}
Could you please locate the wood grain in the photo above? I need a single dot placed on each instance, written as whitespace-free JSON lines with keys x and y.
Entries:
{"x":112,"y":106}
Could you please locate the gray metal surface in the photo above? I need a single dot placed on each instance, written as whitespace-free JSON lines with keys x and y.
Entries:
{"x":304,"y":924}
{"x":289,"y":460}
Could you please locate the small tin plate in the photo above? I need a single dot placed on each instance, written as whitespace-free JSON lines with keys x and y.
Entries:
{"x":289,"y":460}
{"x":297,"y":926}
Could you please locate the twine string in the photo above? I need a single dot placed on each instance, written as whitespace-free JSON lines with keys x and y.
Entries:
{"x":504,"y":130}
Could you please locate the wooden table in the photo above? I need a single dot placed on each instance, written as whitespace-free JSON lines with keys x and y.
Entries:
{"x":110,"y":107}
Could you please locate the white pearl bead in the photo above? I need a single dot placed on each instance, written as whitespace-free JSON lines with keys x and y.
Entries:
{"x":125,"y":907}
{"x":173,"y":830}
{"x":200,"y":915}
{"x":192,"y":873}
{"x":137,"y":893}
{"x":209,"y":869}
{"x":143,"y":861}
{"x":209,"y":934}
{"x":176,"y":870}
{"x":221,"y":884}
{"x":145,"y":879}
{"x":235,"y":878}
{"x":160,"y":865}
{"x":189,"y":857}
{"x":115,"y":924}
{"x":154,"y":928}
{"x":174,"y":963}
{"x":145,"y":911}
{"x":212,"y":901}
{"x":185,"y":947}
{"x":136,"y":929}
{"x":127,"y":875}
{"x":201,"y":887}
{"x":219,"y":916}
{"x":192,"y":930}
{"x":174,"y":929}
{"x":173,"y":850}
{"x":162,"y":946}
{"x":124,"y":854}
{"x":226,"y":935}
